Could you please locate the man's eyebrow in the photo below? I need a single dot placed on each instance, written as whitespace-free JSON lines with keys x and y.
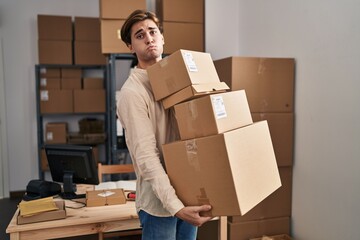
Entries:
{"x":141,"y":30}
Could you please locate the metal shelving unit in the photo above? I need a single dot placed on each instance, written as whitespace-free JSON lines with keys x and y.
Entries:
{"x":106,"y":115}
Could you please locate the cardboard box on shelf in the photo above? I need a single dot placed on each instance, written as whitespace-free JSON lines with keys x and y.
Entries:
{"x":71,"y":72}
{"x":50,"y":83}
{"x":55,"y":132}
{"x":212,"y":114}
{"x":277,"y":204}
{"x":192,"y":92}
{"x":242,"y":160}
{"x":269,"y":82}
{"x":93,"y":83}
{"x":254,"y":229}
{"x":54,"y":27}
{"x":87,"y":29}
{"x":45,"y":216}
{"x":71,"y":83}
{"x":119,"y":9}
{"x":175,"y":35}
{"x":55,"y":52}
{"x":180,"y":70}
{"x":89,"y":100}
{"x":181,"y":10}
{"x":50,"y":72}
{"x":105,"y":197}
{"x":110,"y":37}
{"x":281,"y":127}
{"x":56,"y":101}
{"x":88,"y":53}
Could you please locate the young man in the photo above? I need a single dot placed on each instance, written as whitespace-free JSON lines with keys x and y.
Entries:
{"x":148,"y":125}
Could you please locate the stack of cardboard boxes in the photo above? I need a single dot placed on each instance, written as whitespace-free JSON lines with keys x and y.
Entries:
{"x":87,"y":44}
{"x":179,"y":18}
{"x":223,"y":158}
{"x":269,"y":85}
{"x":57,"y":45}
{"x":112,"y":15}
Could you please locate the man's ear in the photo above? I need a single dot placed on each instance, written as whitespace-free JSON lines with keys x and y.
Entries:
{"x":131,"y":48}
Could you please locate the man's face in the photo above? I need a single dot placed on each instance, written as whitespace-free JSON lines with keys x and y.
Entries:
{"x":146,"y":41}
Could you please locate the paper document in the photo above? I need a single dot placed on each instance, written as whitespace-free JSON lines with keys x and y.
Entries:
{"x":124,"y":184}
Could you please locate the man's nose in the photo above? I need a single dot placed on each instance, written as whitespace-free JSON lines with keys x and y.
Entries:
{"x":148,"y":38}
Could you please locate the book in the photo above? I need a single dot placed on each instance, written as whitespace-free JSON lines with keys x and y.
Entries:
{"x":37,"y":206}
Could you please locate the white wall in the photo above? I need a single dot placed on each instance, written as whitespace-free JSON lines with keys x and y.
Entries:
{"x":322,"y":36}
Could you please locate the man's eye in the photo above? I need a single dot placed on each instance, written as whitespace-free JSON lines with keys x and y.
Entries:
{"x":153,"y":32}
{"x":139,"y":36}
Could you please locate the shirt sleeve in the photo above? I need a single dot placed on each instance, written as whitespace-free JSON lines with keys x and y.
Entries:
{"x":133,"y":112}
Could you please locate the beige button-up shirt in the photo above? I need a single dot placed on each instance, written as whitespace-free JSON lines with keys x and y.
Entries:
{"x":147,"y":126}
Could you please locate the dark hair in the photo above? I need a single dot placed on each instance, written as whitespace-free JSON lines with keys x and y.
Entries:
{"x":137,"y":16}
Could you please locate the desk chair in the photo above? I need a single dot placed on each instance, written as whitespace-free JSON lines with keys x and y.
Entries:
{"x":116,"y":169}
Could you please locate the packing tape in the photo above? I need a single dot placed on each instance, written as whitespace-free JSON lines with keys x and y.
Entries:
{"x":191,"y":151}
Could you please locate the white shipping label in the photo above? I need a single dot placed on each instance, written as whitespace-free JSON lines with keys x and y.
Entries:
{"x":43,"y":82}
{"x":106,"y":194}
{"x":44,"y":95}
{"x":43,"y":70}
{"x":218,"y":106}
{"x":189,"y":62}
{"x":49,"y":136}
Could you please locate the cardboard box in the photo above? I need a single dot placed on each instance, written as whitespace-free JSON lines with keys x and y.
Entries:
{"x":281,"y":127}
{"x":89,"y":53}
{"x":50,"y":72}
{"x":232,"y":171}
{"x":277,"y":237}
{"x":71,"y":83}
{"x":254,"y":229}
{"x":89,"y":100}
{"x":111,"y":38}
{"x":176,"y":36}
{"x":194,"y":91}
{"x":56,"y":101}
{"x":54,"y":27}
{"x":55,"y":52}
{"x":71,"y":72}
{"x":55,"y":132}
{"x":181,"y":10}
{"x":277,"y":204}
{"x":180,"y":70}
{"x":50,"y":83}
{"x":105,"y":197}
{"x":87,"y":29}
{"x":119,"y":9}
{"x":44,"y":161}
{"x":93,"y":83}
{"x":212,"y":114}
{"x":269,"y":82}
{"x":45,"y":216}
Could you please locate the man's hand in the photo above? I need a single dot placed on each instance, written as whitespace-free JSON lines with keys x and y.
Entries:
{"x":192,"y":214}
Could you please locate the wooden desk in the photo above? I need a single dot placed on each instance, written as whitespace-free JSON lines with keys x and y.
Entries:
{"x":83,"y":221}
{"x":86,"y":221}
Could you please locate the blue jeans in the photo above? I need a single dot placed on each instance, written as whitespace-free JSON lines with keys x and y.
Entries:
{"x":165,"y":228}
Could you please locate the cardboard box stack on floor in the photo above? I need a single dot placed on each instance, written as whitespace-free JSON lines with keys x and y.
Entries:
{"x":180,"y":17}
{"x":223,"y":158}
{"x":269,"y":85}
{"x":112,"y":15}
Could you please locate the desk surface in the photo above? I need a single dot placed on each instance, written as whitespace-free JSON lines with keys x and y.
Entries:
{"x":82,"y":221}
